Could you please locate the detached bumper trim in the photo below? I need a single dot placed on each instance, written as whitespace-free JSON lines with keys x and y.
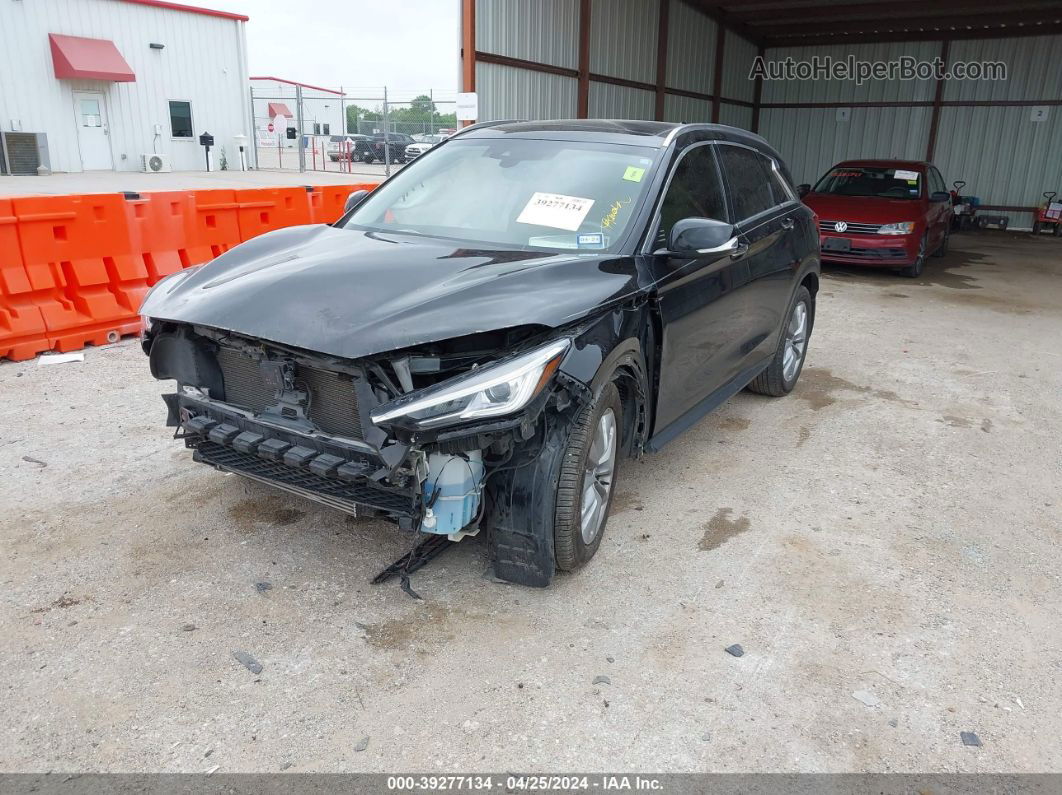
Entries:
{"x":346,"y":495}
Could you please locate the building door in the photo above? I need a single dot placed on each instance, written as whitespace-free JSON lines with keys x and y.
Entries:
{"x":92,"y":131}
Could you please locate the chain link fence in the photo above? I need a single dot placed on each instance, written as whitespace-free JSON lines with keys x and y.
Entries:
{"x":363,"y":131}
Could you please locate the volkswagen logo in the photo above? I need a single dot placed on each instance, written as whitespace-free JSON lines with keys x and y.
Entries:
{"x":840,"y":226}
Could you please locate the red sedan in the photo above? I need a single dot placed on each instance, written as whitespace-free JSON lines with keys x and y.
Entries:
{"x":881,"y":213}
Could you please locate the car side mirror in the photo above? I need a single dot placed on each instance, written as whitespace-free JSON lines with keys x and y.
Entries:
{"x":803,"y":190}
{"x":702,"y":236}
{"x":354,"y":199}
{"x":940,"y":196}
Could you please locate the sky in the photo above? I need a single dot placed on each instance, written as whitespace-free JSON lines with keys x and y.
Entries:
{"x":408,"y":45}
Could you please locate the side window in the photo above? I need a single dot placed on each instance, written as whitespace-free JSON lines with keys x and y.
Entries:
{"x":750,"y":180}
{"x":782,"y":190}
{"x":181,"y":119}
{"x":695,"y":191}
{"x":936,"y":183}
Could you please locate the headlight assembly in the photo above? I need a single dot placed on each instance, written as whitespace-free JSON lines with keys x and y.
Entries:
{"x":899,"y":228}
{"x":490,"y":391}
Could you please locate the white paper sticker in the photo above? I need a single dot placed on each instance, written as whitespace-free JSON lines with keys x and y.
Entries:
{"x":555,"y":210}
{"x":901,"y":174}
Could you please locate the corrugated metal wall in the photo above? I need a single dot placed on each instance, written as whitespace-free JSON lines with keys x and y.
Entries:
{"x":203,"y":62}
{"x":849,"y":90}
{"x":543,"y":31}
{"x":509,"y":93}
{"x":623,"y":37}
{"x":735,"y":116}
{"x":811,"y":140}
{"x":738,"y":58}
{"x":971,"y":140}
{"x":686,"y":109}
{"x":623,"y":42}
{"x":1034,"y":69}
{"x":1004,"y":156}
{"x":690,"y":49}
{"x":608,"y":101}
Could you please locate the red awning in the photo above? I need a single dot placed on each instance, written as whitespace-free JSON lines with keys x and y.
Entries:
{"x":279,"y":109}
{"x":88,"y":59}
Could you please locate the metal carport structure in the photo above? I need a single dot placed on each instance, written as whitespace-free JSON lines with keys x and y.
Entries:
{"x":689,"y":60}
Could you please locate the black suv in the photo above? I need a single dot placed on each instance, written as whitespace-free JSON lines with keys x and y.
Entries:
{"x":396,"y":143}
{"x":476,"y":344}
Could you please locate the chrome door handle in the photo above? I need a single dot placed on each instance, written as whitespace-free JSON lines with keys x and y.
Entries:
{"x":788,"y":223}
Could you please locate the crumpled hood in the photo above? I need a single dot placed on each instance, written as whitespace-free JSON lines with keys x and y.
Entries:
{"x":349,"y":293}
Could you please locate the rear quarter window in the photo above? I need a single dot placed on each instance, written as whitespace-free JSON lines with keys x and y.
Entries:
{"x":749,"y":176}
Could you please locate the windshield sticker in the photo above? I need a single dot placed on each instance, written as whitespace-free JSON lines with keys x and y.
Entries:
{"x":634,"y":174}
{"x":609,"y":218}
{"x":590,"y":240}
{"x":556,"y":210}
{"x":552,"y":241}
{"x":910,"y":176}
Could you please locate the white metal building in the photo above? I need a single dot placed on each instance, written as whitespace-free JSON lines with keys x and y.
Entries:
{"x":97,"y":84}
{"x":690,"y":60}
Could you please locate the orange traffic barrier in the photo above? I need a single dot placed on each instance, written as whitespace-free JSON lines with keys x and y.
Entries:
{"x":22,"y":331}
{"x":74,"y":269}
{"x":76,"y":250}
{"x":265,"y":209}
{"x":327,"y":201}
{"x":216,"y":227}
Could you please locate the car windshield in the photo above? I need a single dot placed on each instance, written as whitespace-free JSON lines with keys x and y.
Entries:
{"x":885,"y":183}
{"x":515,"y":192}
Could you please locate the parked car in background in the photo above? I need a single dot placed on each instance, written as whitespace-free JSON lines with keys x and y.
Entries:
{"x":418,"y":148}
{"x":395,"y":142}
{"x":352,"y":146}
{"x":478,"y":342}
{"x":881,"y":213}
{"x":430,"y":138}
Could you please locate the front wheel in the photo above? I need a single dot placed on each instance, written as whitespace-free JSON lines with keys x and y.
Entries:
{"x":782,"y":373}
{"x":914,"y":270}
{"x":587,"y":480}
{"x":940,"y":252}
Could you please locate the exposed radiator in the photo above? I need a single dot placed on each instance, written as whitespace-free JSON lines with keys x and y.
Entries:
{"x":333,"y":404}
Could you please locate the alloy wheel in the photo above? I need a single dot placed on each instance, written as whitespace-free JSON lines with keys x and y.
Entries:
{"x":598,"y":476}
{"x":796,"y":340}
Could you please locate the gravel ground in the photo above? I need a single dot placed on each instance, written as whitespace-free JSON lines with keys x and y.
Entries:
{"x":884,"y":544}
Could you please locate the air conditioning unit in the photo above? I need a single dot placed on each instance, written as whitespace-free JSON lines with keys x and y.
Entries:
{"x":153,"y":162}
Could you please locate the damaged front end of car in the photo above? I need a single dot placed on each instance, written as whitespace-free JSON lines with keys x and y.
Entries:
{"x":426,"y":436}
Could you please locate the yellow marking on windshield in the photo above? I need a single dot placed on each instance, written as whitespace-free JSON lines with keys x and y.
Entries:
{"x":609,"y":219}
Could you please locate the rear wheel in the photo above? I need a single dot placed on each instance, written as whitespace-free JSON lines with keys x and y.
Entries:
{"x":1058,"y":230}
{"x":587,"y":478}
{"x":914,"y":270}
{"x":1036,"y":227}
{"x":782,"y":373}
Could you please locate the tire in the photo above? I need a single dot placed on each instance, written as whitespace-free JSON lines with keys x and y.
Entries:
{"x":571,"y":547}
{"x":773,"y":380}
{"x":1036,"y":227}
{"x":914,"y":270}
{"x":368,"y":158}
{"x":1058,"y":230}
{"x":943,"y":249}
